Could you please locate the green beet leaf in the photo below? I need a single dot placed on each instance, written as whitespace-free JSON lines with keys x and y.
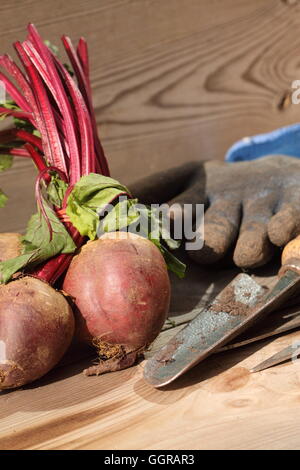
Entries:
{"x":19,"y":123}
{"x":5,"y":162}
{"x":3,"y":199}
{"x":123,"y":214}
{"x":38,"y":246}
{"x":88,"y":199}
{"x":56,"y":190}
{"x":174,"y":264}
{"x":88,"y":210}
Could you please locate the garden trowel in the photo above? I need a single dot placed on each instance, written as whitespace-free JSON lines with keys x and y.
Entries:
{"x":235,"y":309}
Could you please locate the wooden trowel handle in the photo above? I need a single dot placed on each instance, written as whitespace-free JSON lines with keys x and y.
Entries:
{"x":290,"y":258}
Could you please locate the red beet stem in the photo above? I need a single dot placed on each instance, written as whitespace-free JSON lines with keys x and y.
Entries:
{"x":8,"y":64}
{"x":61,"y":99}
{"x":15,"y":93}
{"x":8,"y":135}
{"x":29,"y":138}
{"x":84,"y":123}
{"x":15,"y":113}
{"x":85,"y":88}
{"x":44,"y":117}
{"x":52,"y":270}
{"x":62,"y":112}
{"x":38,"y":159}
{"x":15,"y":152}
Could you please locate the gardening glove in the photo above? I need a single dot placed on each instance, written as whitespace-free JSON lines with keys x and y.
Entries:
{"x":250,"y":206}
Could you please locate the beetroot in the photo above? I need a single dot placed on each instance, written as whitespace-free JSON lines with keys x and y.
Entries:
{"x":121,"y":289}
{"x":59,"y":134}
{"x":36,"y":328}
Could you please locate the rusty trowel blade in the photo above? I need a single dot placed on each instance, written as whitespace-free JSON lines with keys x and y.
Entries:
{"x":203,"y":334}
{"x":214,"y":327}
{"x":283,"y":321}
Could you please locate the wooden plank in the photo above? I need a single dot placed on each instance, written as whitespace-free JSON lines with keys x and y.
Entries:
{"x":18,"y":184}
{"x":210,"y":407}
{"x":172,"y":81}
{"x":176,"y":81}
{"x":219,"y":404}
{"x":175,"y":75}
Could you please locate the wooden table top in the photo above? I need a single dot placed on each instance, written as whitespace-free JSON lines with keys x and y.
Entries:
{"x":217,"y":405}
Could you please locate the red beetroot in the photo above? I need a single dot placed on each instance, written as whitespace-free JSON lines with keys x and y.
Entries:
{"x":121,"y":289}
{"x":36,"y":328}
{"x":36,"y":324}
{"x":121,"y":286}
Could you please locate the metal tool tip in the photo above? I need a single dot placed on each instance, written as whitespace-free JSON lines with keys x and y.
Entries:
{"x":255,"y":369}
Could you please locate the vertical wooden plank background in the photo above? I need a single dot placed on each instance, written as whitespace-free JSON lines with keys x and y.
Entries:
{"x":173,"y":80}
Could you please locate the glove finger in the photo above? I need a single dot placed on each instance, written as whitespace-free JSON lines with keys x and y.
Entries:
{"x":285,"y":225}
{"x":221,"y":223}
{"x":253,"y":247}
{"x":180,"y":206}
{"x":193,"y":193}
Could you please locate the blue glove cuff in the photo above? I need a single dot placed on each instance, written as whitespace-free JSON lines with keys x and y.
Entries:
{"x":283,"y":141}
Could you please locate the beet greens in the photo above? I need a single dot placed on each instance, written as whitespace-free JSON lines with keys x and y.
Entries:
{"x":55,"y":126}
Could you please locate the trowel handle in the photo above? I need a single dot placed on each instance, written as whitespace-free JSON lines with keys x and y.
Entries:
{"x":290,"y":258}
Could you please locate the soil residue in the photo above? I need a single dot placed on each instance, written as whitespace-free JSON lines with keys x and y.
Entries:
{"x":226,"y":303}
{"x":113,"y":364}
{"x":106,"y":350}
{"x":112,"y":357}
{"x":166,"y":356}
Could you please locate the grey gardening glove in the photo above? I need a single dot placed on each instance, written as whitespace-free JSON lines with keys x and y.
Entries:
{"x":251,"y":206}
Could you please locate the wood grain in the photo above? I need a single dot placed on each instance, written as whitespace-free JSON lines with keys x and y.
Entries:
{"x":217,"y":405}
{"x":172,"y":81}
